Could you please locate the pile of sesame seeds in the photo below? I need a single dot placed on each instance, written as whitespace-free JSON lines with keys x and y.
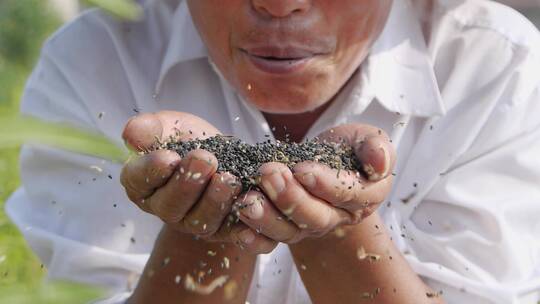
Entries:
{"x":243,"y":160}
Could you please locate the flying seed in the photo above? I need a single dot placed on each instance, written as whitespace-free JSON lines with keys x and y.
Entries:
{"x":96,"y":168}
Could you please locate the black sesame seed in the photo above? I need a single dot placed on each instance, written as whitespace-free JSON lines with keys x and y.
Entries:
{"x":243,"y":160}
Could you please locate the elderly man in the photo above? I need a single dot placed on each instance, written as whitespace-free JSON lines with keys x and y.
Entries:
{"x":439,"y":99}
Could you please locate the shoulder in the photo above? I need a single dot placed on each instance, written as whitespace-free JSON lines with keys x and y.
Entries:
{"x":486,"y":58}
{"x":96,"y":39}
{"x":483,"y":46}
{"x":96,"y":59}
{"x":483,"y":26}
{"x":489,"y":17}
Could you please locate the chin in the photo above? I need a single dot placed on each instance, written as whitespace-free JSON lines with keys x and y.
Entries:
{"x":279,"y":106}
{"x":291,"y":102}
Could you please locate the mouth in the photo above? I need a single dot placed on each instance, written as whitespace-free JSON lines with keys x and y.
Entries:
{"x":275,"y":60}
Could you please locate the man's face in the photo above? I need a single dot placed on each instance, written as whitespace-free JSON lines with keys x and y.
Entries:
{"x":288,"y":56}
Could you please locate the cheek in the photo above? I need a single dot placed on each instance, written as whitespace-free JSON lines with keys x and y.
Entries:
{"x":214,"y":22}
{"x":358,"y":32}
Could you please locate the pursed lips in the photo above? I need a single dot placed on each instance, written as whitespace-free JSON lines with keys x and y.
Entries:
{"x":279,"y":59}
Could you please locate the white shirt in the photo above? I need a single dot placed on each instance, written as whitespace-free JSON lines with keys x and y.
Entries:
{"x":459,"y":95}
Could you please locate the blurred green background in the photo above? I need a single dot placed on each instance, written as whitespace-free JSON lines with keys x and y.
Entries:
{"x":24,"y":26}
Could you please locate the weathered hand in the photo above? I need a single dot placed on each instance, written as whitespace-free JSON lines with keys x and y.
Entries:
{"x":315,"y":199}
{"x":186,"y":193}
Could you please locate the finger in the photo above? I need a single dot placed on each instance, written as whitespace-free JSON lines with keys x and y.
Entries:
{"x":142,"y":175}
{"x":215,"y":204}
{"x":289,"y":196}
{"x":172,"y":201}
{"x":256,"y":211}
{"x":244,"y":237}
{"x":371,"y":145}
{"x":142,"y":132}
{"x":377,"y":156}
{"x":348,"y":190}
{"x":140,"y":202}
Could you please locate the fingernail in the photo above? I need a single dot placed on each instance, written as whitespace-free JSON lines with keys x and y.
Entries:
{"x":273,"y":185}
{"x":196,"y":169}
{"x":308,"y":179}
{"x":254,"y":209}
{"x":373,"y":175}
{"x":370,"y":171}
{"x":246,"y":236}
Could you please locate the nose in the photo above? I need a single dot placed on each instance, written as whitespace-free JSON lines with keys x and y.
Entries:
{"x":281,"y":8}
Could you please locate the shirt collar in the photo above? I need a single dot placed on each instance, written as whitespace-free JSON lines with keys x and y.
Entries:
{"x":185,"y":43}
{"x":398,"y":70}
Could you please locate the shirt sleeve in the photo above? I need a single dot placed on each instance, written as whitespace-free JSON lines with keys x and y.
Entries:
{"x":71,"y":208}
{"x":474,"y":235}
{"x":476,"y":232}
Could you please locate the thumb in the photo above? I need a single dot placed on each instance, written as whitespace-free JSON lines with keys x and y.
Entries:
{"x":377,"y":156}
{"x":371,"y":145}
{"x":142,"y":132}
